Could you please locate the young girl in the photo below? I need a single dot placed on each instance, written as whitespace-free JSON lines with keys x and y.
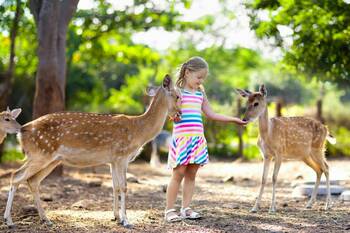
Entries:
{"x":188,"y":150}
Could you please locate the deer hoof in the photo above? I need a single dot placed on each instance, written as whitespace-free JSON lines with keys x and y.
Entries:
{"x":308,"y":206}
{"x":11,"y":226}
{"x":272,"y":210}
{"x":47,"y":222}
{"x":9,"y":223}
{"x":328,"y":206}
{"x":126,"y":224}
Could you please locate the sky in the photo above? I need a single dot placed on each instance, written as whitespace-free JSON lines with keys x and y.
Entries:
{"x":236,"y":31}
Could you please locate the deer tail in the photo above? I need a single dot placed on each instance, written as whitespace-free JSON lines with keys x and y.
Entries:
{"x":332,"y":140}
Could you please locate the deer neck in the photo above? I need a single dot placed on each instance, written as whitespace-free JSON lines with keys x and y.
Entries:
{"x":154,"y":118}
{"x":2,"y":136}
{"x":264,"y":124}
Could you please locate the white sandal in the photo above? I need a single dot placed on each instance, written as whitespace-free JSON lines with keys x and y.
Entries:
{"x":192,"y":216}
{"x":171,"y":218}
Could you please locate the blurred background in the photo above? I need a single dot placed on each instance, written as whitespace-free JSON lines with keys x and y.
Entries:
{"x":99,"y":56}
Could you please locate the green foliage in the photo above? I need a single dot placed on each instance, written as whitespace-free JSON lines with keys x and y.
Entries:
{"x":342,"y":147}
{"x":108,"y":72}
{"x":131,"y":98}
{"x":318,"y":30}
{"x":25,"y":60}
{"x":11,"y":155}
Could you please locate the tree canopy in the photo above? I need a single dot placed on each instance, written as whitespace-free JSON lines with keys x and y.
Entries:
{"x":315,"y":35}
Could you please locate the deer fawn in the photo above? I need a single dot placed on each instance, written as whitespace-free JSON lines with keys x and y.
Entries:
{"x":87,"y":139}
{"x":287,"y":138}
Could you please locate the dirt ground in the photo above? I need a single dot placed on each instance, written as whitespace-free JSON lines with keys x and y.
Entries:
{"x":81,"y":201}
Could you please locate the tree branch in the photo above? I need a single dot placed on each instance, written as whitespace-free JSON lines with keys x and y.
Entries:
{"x":67,"y":10}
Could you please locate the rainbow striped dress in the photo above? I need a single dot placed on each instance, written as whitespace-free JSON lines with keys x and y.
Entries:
{"x":189,"y":145}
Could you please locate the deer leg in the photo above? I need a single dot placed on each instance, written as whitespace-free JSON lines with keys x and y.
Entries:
{"x":276,"y":169}
{"x":34,"y":183}
{"x":121,"y":174}
{"x":154,"y":162}
{"x":310,"y":162}
{"x":7,"y":214}
{"x":263,"y":182}
{"x":325,"y":169}
{"x":23,"y":173}
{"x":115,"y":191}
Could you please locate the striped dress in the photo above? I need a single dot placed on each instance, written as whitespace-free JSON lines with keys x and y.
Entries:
{"x":189,"y":145}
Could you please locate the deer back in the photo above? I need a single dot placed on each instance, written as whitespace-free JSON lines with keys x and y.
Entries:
{"x":75,"y":130}
{"x":296,"y":134}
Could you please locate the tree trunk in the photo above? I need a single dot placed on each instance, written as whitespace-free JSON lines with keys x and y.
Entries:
{"x":319,"y":115}
{"x":279,"y":104}
{"x":319,"y":103}
{"x":52,"y":18}
{"x":6,"y":79}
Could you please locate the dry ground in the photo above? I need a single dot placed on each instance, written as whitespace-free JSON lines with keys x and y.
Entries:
{"x":224,"y":205}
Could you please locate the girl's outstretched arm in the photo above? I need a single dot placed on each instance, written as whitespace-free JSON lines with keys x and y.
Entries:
{"x":208,"y":111}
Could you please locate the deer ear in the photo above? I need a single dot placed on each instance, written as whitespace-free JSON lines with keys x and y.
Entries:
{"x":167,"y":82}
{"x":262,"y":90}
{"x":152,"y":91}
{"x":16,"y":112}
{"x":243,"y":93}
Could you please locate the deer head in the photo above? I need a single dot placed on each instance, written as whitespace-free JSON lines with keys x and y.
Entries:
{"x":8,"y":123}
{"x":171,"y":93}
{"x":256,"y":103}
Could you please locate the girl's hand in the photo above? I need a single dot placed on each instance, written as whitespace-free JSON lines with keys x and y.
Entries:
{"x":240,"y":122}
{"x":176,"y":118}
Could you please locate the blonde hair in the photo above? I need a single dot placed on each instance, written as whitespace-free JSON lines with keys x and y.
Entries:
{"x":192,"y":64}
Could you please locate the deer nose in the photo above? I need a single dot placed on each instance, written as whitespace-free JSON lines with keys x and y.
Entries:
{"x":244,"y":119}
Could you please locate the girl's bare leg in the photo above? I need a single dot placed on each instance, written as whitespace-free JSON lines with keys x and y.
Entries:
{"x":174,"y":186}
{"x":189,"y":182}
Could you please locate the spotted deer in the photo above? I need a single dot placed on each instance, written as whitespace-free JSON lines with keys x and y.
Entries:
{"x":88,"y":139}
{"x":287,"y":138}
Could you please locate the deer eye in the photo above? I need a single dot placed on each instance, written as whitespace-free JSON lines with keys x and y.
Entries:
{"x":256,"y":104}
{"x":7,"y":119}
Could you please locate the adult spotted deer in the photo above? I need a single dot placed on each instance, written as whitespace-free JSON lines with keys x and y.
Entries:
{"x":87,"y":139}
{"x":287,"y":138}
